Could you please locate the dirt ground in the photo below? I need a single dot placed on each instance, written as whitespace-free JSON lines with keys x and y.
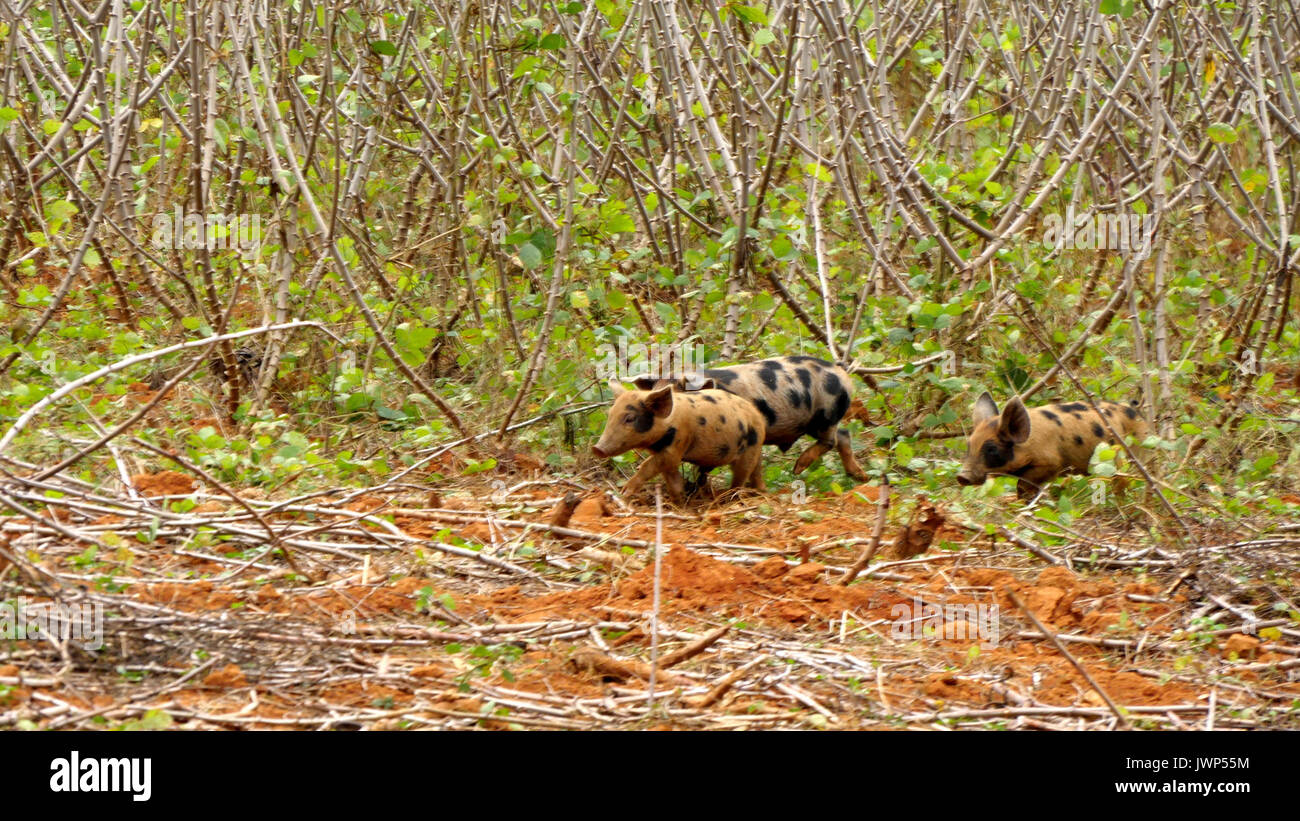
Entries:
{"x":497,"y":605}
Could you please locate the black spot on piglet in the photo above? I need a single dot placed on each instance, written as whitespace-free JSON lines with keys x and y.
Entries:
{"x":665,"y":440}
{"x":832,"y":384}
{"x":644,"y":419}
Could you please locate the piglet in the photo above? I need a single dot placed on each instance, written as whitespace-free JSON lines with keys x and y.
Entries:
{"x":1037,"y":444}
{"x":797,"y":395}
{"x":709,"y":428}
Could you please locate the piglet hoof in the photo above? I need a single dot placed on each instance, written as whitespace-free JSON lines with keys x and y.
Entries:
{"x":703,"y":492}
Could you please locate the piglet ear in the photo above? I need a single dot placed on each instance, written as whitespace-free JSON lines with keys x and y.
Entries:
{"x":985,"y":408}
{"x":694,"y":382}
{"x":660,"y":401}
{"x":1014,"y":426}
{"x":645,"y":383}
{"x":706,"y":384}
{"x":616,"y":387}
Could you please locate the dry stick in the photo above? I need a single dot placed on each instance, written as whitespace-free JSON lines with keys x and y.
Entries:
{"x":564,"y":510}
{"x":1114,"y":708}
{"x":561,"y":260}
{"x":882,"y":509}
{"x":1028,"y":545}
{"x":1081,"y":712}
{"x":458,"y":516}
{"x":1160,"y":334}
{"x":720,"y":689}
{"x":692,"y":649}
{"x":654,"y":613}
{"x":76,"y":536}
{"x":590,"y":659}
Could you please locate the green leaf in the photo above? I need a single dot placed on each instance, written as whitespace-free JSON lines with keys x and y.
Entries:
{"x":1222,"y":133}
{"x":619,"y":224}
{"x":383,"y":47}
{"x":151,"y":720}
{"x":553,"y":41}
{"x":781,"y":247}
{"x":1266,"y":461}
{"x":750,"y":14}
{"x":529,"y":256}
{"x":478,"y":467}
{"x":60,"y":210}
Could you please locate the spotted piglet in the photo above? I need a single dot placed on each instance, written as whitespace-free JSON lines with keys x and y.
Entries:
{"x":709,"y":428}
{"x":1036,"y":444}
{"x":797,"y":396}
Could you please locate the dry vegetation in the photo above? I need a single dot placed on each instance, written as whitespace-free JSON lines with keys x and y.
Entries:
{"x":337,"y":477}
